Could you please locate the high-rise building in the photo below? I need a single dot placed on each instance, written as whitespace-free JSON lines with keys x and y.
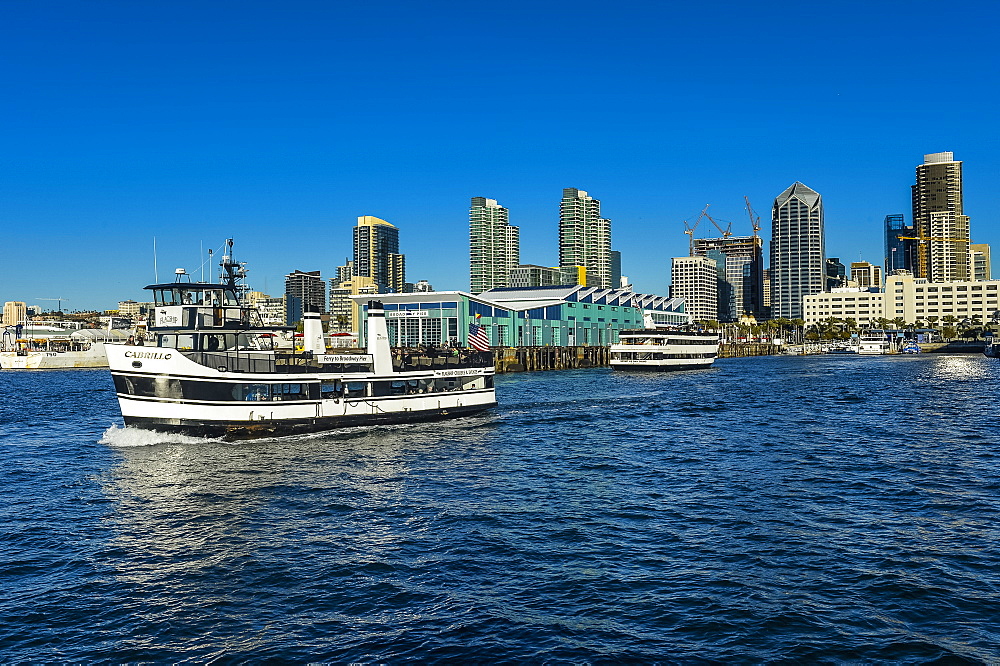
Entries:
{"x":14,"y":313}
{"x":836,"y":273}
{"x":530,"y":275}
{"x":741,"y":274}
{"x":376,"y":254}
{"x":938,"y":217}
{"x":900,"y":253}
{"x":866,"y":275}
{"x":304,"y":292}
{"x":696,"y":280}
{"x":798,"y":257}
{"x":343,"y":310}
{"x":585,"y":237}
{"x":767,"y":293}
{"x":616,"y":269}
{"x":981,"y":268}
{"x":494,"y":245}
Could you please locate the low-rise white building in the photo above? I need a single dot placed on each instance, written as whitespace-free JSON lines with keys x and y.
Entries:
{"x":912,"y":299}
{"x":861,"y":305}
{"x":917,"y":299}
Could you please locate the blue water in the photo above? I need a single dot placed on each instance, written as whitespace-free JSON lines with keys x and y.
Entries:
{"x":789,"y":509}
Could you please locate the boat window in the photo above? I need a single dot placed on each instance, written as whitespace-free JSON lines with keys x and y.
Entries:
{"x":355,"y":389}
{"x":252,"y":392}
{"x":165,"y":297}
{"x":331,"y":388}
{"x":251,"y":342}
{"x":218,"y":342}
{"x":289,"y":392}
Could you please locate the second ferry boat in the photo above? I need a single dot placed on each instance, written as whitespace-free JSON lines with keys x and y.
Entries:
{"x":659,"y":347}
{"x":212,"y":370}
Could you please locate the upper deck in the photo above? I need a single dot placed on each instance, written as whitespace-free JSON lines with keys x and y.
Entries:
{"x":195,"y":306}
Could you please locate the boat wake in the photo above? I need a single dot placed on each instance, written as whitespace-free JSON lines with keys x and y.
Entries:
{"x":125,"y":437}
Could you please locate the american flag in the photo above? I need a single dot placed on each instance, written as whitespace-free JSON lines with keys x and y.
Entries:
{"x":478,"y":339}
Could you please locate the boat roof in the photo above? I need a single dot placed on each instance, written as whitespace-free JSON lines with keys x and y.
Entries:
{"x":188,"y":285}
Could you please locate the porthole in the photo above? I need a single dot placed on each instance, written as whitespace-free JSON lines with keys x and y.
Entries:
{"x":136,"y":364}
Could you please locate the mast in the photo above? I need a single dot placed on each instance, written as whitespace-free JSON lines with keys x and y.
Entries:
{"x":233,"y":273}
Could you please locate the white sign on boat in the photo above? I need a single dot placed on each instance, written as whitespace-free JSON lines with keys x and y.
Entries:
{"x":457,"y":373}
{"x":345,"y":358}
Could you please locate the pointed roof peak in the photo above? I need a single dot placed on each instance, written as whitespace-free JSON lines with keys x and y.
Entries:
{"x":801,"y":192}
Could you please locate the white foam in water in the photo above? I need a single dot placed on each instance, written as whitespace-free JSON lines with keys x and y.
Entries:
{"x":122,"y":436}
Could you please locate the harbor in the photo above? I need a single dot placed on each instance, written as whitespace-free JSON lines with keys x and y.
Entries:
{"x":592,"y":512}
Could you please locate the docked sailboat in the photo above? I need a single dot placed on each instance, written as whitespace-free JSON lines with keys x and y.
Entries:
{"x":212,"y":369}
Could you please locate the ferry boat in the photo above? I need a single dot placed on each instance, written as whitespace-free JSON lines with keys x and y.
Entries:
{"x":992,"y":349}
{"x":658,"y":347}
{"x":211,"y":369}
{"x":873,"y":343}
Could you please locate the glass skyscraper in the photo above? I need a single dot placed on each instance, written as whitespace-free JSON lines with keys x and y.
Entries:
{"x":798,"y":261}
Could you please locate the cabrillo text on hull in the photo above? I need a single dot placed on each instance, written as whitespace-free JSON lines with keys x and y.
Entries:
{"x":214,"y":371}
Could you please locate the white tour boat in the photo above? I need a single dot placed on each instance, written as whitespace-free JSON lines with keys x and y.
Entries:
{"x":873,"y":343}
{"x":210,"y":368}
{"x":47,"y":348}
{"x":659,"y":347}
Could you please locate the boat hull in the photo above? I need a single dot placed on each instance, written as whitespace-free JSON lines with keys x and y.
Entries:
{"x":245,"y":429}
{"x":654,"y":366}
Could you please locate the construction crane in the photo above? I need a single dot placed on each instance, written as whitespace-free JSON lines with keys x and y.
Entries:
{"x":754,"y":217}
{"x":60,"y":300}
{"x":689,"y":228}
{"x":922,"y":257}
{"x":727,"y":232}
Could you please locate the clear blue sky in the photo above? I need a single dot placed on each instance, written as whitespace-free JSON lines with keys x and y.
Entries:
{"x":279,"y":123}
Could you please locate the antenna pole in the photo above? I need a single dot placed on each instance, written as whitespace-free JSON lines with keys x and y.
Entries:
{"x":156,"y":274}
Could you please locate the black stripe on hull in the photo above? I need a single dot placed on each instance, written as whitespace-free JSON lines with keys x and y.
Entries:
{"x":661,"y":368}
{"x":234,"y":430}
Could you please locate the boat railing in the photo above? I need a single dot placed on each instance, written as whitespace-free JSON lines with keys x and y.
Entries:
{"x":409,"y":360}
{"x":289,"y":362}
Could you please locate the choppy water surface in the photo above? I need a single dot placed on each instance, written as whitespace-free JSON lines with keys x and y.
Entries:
{"x":821,"y":509}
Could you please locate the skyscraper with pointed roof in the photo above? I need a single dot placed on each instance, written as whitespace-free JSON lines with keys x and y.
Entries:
{"x":798,"y":253}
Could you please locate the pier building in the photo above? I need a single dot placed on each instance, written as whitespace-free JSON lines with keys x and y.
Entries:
{"x":554,"y":316}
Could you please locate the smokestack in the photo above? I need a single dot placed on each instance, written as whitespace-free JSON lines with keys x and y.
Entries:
{"x":378,"y":339}
{"x":312,"y":333}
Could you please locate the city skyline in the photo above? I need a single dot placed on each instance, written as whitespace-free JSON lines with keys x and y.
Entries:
{"x":129,"y":123}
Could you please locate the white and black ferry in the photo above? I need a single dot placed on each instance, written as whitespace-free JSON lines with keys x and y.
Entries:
{"x":210,"y":368}
{"x":664,"y":348}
